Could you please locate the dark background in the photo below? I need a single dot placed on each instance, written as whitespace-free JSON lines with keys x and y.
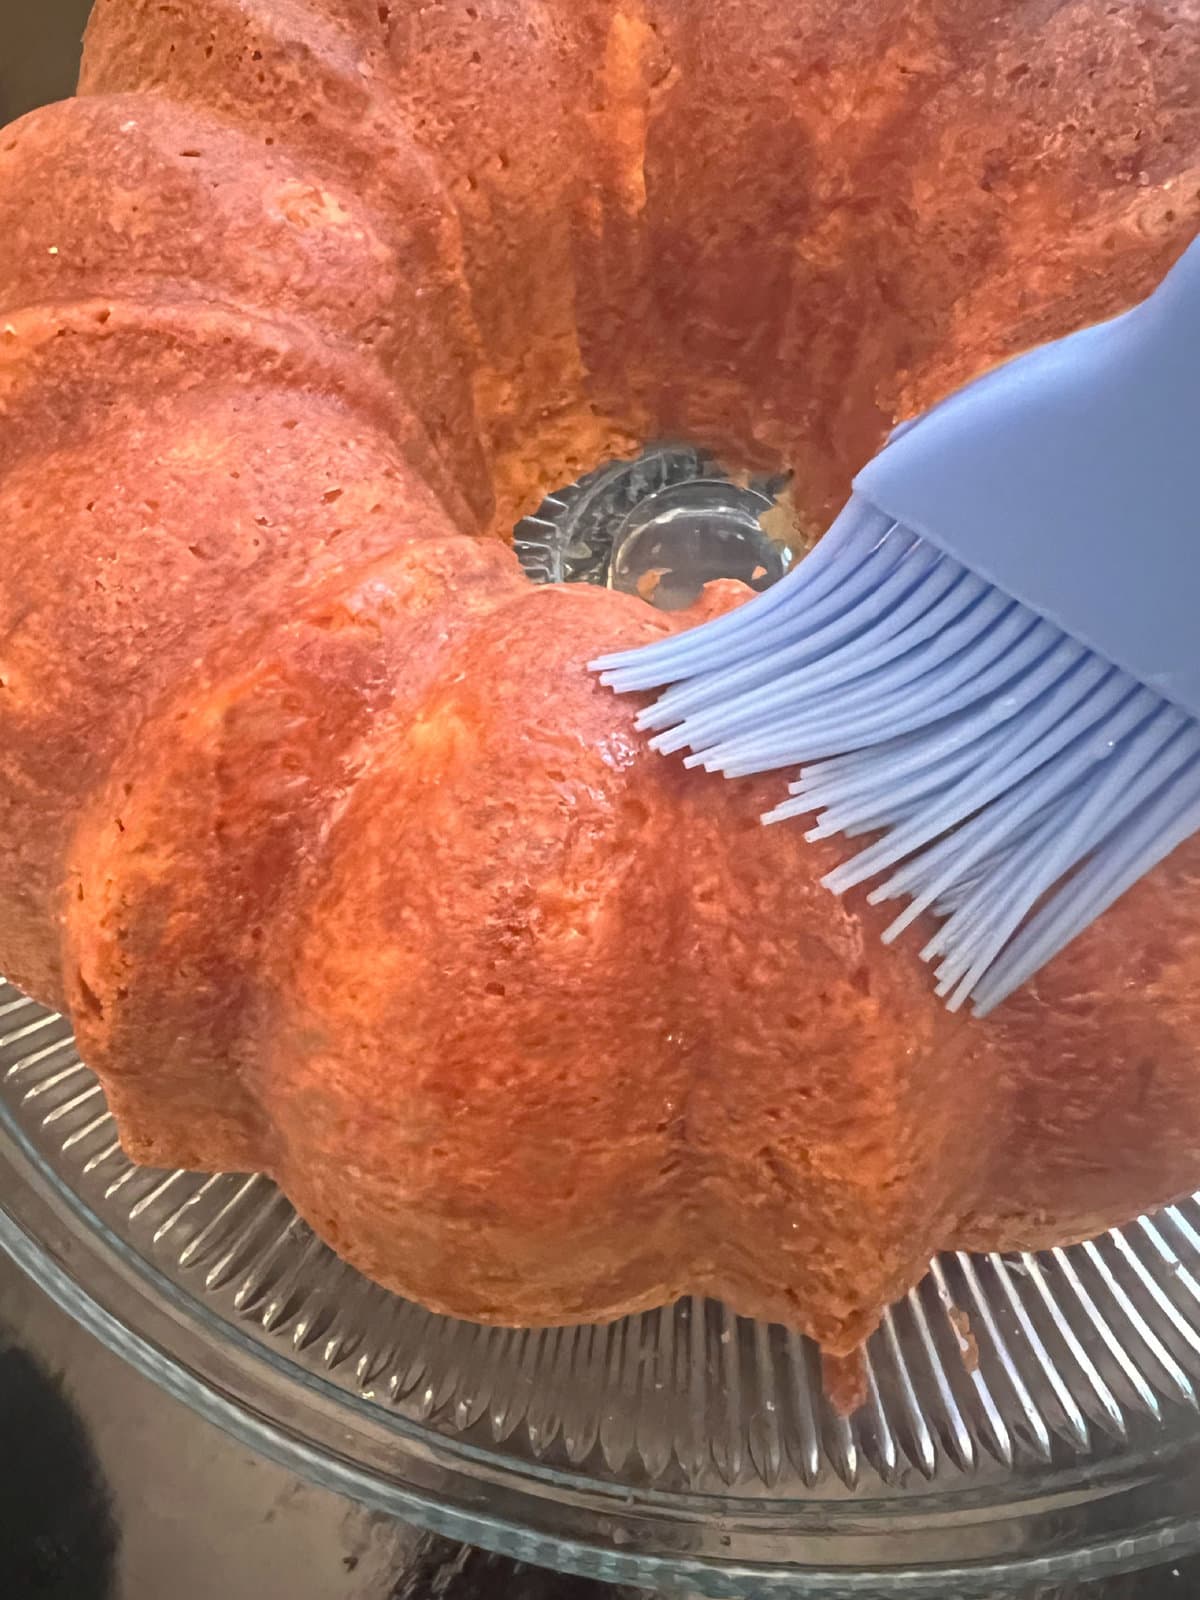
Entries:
{"x":77,"y":1521}
{"x":39,"y":52}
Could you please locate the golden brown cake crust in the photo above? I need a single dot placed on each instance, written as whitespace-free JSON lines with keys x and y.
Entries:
{"x":312,"y":813}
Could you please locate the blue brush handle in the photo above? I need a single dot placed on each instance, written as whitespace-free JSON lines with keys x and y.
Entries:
{"x":1070,"y":478}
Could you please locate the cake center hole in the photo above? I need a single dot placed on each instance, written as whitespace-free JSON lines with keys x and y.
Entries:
{"x":662,"y":526}
{"x":674,"y":542}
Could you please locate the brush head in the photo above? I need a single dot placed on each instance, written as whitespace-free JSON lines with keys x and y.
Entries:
{"x":990,"y":665}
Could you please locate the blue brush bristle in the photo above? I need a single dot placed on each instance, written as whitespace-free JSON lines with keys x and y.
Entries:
{"x":1017,"y":783}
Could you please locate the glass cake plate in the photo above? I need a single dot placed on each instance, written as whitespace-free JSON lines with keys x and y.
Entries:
{"x":1027,"y":1418}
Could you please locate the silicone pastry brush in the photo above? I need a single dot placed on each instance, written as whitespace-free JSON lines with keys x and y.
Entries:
{"x":991,"y":662}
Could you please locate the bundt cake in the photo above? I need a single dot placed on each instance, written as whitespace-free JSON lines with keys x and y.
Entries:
{"x":314,"y":819}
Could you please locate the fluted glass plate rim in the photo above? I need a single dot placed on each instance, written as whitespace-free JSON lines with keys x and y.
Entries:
{"x":453,"y":1487}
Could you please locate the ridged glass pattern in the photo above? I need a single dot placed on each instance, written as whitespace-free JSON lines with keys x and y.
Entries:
{"x":995,"y":1367}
